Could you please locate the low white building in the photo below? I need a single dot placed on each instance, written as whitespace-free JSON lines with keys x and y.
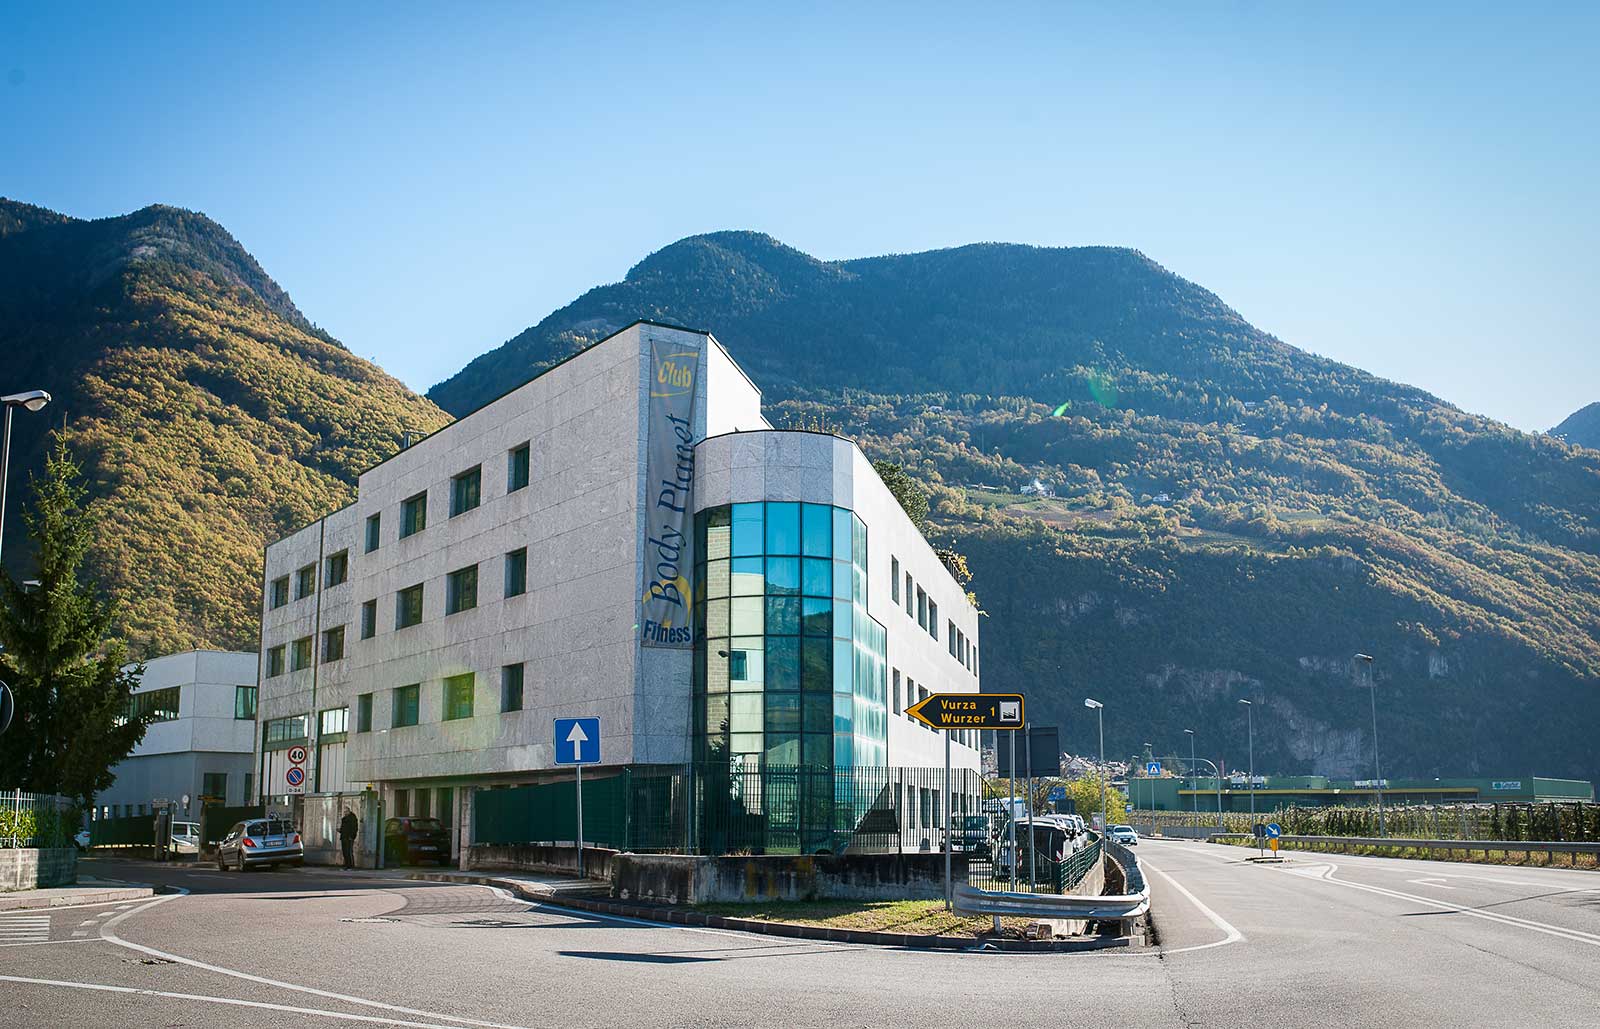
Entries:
{"x":625,"y":537}
{"x":199,"y":746}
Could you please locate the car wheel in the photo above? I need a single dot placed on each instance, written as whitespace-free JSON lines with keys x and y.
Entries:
{"x":239,"y":865}
{"x":222,"y":862}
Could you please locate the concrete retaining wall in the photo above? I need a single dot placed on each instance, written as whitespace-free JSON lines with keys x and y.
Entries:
{"x":598,"y":862}
{"x":30,"y":869}
{"x":678,"y":879}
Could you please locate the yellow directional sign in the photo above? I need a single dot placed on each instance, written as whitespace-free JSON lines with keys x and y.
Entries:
{"x":969,"y":711}
{"x":1273,"y":844}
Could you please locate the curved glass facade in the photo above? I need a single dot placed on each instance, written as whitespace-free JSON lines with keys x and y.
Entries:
{"x":789,"y":669}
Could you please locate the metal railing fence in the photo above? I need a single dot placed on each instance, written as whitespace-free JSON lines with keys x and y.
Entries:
{"x":35,"y":820}
{"x":1570,"y":821}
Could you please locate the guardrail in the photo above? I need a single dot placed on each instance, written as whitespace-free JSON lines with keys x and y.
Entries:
{"x":1336,"y":843}
{"x":1121,"y":908}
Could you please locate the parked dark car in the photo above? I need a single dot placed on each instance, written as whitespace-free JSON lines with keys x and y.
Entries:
{"x":410,"y":841}
{"x":260,"y":843}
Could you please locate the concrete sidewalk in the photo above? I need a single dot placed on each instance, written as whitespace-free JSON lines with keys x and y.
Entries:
{"x":86,"y":891}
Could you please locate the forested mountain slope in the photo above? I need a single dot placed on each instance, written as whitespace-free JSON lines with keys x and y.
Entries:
{"x":210,"y":414}
{"x":1581,"y":428}
{"x":1232,"y":517}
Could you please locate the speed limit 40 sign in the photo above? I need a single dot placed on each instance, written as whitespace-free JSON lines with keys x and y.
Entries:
{"x":297,"y":755}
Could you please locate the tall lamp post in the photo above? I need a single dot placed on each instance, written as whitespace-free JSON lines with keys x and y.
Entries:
{"x":33,"y":400}
{"x":1250,"y":723}
{"x":1105,"y":813}
{"x":1377,"y":776}
{"x":1194,"y":790}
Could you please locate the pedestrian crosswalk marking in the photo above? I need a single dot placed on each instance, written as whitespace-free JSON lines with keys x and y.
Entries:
{"x":16,"y":929}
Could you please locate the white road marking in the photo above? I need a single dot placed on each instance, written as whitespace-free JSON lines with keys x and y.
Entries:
{"x":111,"y":937}
{"x":16,"y":930}
{"x":1435,"y":883}
{"x":1232,"y":935}
{"x":232,"y":1001}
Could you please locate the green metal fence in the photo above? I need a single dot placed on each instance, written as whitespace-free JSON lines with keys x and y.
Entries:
{"x":126,"y":831}
{"x":216,"y":820}
{"x":732,"y":809}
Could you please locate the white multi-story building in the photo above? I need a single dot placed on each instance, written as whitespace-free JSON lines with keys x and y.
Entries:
{"x":199,"y":745}
{"x":514,"y":567}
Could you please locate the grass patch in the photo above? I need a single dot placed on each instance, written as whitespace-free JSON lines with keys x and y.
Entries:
{"x":912,"y":917}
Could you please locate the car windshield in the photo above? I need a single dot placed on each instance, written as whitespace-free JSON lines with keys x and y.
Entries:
{"x":272,"y":827}
{"x":427,"y":824}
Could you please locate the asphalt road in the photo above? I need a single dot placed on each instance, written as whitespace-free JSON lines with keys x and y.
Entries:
{"x":1314,"y":942}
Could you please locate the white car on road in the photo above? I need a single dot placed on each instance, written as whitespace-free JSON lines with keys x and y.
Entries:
{"x":1124,"y":834}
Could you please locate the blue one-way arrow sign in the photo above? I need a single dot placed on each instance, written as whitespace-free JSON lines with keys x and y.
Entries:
{"x":577,"y":741}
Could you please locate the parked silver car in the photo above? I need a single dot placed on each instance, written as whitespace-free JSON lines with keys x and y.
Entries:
{"x":259,"y":843}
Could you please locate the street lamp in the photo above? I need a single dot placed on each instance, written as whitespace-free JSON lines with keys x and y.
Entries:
{"x":1149,"y":791}
{"x":1194,"y":789}
{"x":1105,"y":813}
{"x":1250,"y":722}
{"x":1377,"y":776}
{"x":33,"y":400}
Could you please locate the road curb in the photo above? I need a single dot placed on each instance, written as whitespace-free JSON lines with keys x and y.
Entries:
{"x":787,"y":930}
{"x":12,"y":902}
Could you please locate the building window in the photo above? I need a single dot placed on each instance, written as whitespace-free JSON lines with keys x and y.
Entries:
{"x":458,"y":691}
{"x":974,"y":659}
{"x":333,"y":644}
{"x":461,"y":590}
{"x":405,"y":705}
{"x":413,"y":515}
{"x":517,"y":468}
{"x":280,"y":592}
{"x":922,"y":608}
{"x":894,"y":579}
{"x":369,"y":619}
{"x":511,"y":687}
{"x":284,"y":730}
{"x":422,"y":795}
{"x":402,"y":803}
{"x":517,"y":572}
{"x":374,"y":524}
{"x":300,"y":654}
{"x":950,"y":639}
{"x":214,"y":784}
{"x":897,"y":691}
{"x":933,"y":618}
{"x":338,"y":569}
{"x":156,"y":705}
{"x":244,"y":703}
{"x":408,"y":606}
{"x":335,"y":721}
{"x":274,"y":661}
{"x":364,"y":713}
{"x":465,"y":491}
{"x":305,"y":582}
{"x":908,"y":593}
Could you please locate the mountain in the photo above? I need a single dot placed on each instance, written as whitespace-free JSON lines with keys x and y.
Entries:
{"x":1581,"y":428}
{"x":209,"y":414}
{"x":1231,"y":518}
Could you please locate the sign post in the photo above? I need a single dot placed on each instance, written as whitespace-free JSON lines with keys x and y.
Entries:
{"x":951,"y":711}
{"x":577,"y":743}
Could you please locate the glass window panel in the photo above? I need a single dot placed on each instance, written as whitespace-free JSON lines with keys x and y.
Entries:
{"x":745,"y":743}
{"x":783,"y":616}
{"x":717,"y":715}
{"x":783,"y":576}
{"x":716,"y":618}
{"x":746,"y":662}
{"x":843,"y":745}
{"x":841,"y":534}
{"x":843,"y":580}
{"x":746,"y":616}
{"x":858,"y":534}
{"x":816,"y":616}
{"x":843,"y":712}
{"x":744,"y":713}
{"x":747,"y":578}
{"x":844,"y":665}
{"x":719,"y":534}
{"x":815,"y":673}
{"x":716,"y":581}
{"x":816,"y":748}
{"x":783,"y":528}
{"x":817,"y":580}
{"x":843,"y":618}
{"x":783,"y":664}
{"x":818,"y":713}
{"x":748,"y":539}
{"x":783,"y":750}
{"x":783,"y":715}
{"x":816,"y":530}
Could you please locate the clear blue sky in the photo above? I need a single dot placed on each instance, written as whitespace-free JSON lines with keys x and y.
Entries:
{"x":1412,"y":192}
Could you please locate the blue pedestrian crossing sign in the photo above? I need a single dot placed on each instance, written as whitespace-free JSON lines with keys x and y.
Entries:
{"x":1274,"y":830}
{"x":1152,"y":768}
{"x":577,"y":741}
{"x":1057,"y":793}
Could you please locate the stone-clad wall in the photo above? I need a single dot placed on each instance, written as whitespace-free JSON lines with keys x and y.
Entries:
{"x":29,"y":869}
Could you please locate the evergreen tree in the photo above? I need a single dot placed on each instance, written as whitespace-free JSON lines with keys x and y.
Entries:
{"x":912,"y":497}
{"x":72,"y":695}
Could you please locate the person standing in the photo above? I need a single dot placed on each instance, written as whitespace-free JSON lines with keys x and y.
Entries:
{"x":347,"y":837}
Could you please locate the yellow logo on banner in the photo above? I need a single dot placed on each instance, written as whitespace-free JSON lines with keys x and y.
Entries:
{"x":675,"y":374}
